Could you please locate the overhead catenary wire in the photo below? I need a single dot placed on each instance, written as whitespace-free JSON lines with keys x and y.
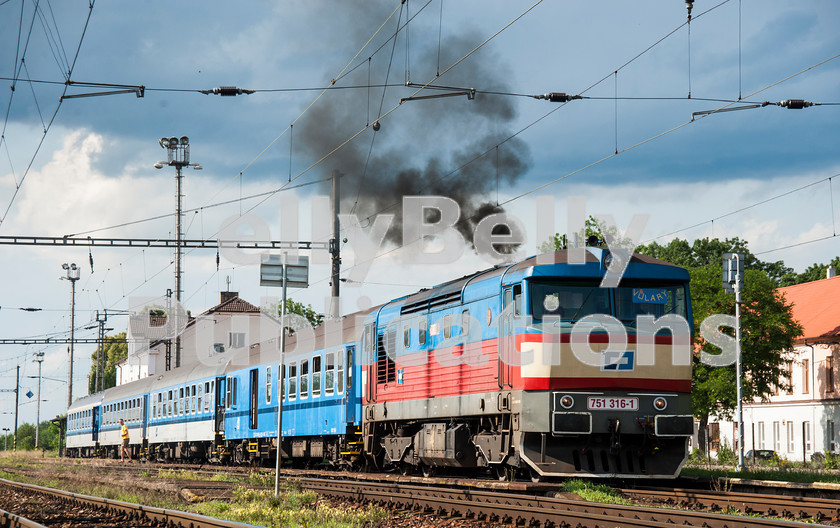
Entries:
{"x":52,"y":118}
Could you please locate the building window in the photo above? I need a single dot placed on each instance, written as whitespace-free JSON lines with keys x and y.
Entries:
{"x":236,"y":339}
{"x":790,"y":376}
{"x":761,"y":435}
{"x":806,"y":376}
{"x":829,"y":374}
{"x":830,"y":430}
{"x":806,"y":435}
{"x":714,"y":436}
{"x":791,"y":440}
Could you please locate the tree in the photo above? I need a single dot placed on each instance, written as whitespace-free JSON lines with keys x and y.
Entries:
{"x":116,"y":349}
{"x":592,"y":229}
{"x":767,"y":336}
{"x":811,"y":273}
{"x":709,"y":252}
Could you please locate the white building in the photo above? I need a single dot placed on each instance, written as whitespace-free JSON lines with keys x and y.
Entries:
{"x":806,"y":420}
{"x":233,"y":326}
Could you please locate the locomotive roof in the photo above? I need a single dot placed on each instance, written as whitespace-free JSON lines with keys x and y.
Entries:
{"x":450,"y":291}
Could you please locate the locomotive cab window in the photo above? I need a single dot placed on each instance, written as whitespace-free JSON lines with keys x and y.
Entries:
{"x":421,"y":333}
{"x":570,"y":301}
{"x":635,"y":299}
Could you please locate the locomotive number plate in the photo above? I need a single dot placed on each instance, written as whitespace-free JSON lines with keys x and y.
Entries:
{"x":600,"y":403}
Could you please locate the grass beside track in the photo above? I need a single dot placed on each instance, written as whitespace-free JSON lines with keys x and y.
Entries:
{"x":782,"y":475}
{"x":291,"y":508}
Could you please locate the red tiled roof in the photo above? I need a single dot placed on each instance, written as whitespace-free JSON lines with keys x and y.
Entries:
{"x":233,"y":305}
{"x":816,"y":307}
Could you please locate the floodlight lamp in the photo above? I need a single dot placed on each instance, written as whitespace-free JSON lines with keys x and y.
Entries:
{"x":65,"y":266}
{"x":196,"y":166}
{"x":185,"y":140}
{"x":159,"y":165}
{"x":173,"y":141}
{"x":73,"y":267}
{"x":164,"y":142}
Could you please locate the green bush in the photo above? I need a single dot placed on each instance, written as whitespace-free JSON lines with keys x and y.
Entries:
{"x":726,"y":455}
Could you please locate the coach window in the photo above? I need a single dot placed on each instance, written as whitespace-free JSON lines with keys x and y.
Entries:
{"x":421,"y":334}
{"x":465,"y":322}
{"x":304,"y":378}
{"x":194,"y":406}
{"x":168,"y":403}
{"x":228,"y":390}
{"x":292,"y":381}
{"x":447,"y":326}
{"x":316,"y":376}
{"x":339,"y":371}
{"x":407,"y":337}
{"x":268,"y":385}
{"x":200,"y":400}
{"x":329,"y":374}
{"x":349,"y":368}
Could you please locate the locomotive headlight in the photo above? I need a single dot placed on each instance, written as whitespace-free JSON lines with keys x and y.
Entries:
{"x":660,"y":404}
{"x":567,"y":402}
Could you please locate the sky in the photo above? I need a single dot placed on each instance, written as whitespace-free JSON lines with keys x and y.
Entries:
{"x":85,"y":166}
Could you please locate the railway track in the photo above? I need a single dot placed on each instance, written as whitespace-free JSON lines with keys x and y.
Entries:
{"x":37,"y":506}
{"x":528,"y":510}
{"x":518,"y":503}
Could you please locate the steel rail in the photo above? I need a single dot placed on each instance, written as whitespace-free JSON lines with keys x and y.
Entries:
{"x":170,"y":518}
{"x":10,"y":520}
{"x":776,"y":505}
{"x":528,"y":510}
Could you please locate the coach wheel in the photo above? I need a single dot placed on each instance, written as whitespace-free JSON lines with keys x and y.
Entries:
{"x":239,"y":455}
{"x":535,"y":477}
{"x":406,"y":469}
{"x":428,"y":471}
{"x":503,"y":473}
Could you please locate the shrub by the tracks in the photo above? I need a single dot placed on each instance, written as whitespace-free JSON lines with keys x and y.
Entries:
{"x":291,"y":507}
{"x":591,"y":492}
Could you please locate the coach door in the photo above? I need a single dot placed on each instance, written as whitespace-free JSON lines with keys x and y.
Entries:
{"x":349,"y":390}
{"x":95,"y":424}
{"x":220,"y":405}
{"x":255,"y":391}
{"x":507,"y":333}
{"x":144,"y":415}
{"x":369,"y":381}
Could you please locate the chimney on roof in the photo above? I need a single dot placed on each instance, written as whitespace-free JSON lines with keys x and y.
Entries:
{"x":830,"y":273}
{"x":228,"y":295}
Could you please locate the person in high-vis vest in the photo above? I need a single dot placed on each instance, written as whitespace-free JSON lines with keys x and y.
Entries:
{"x":124,"y":452}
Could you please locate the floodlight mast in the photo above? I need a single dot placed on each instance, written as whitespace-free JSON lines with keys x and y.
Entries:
{"x":73,"y":273}
{"x":178,"y":156}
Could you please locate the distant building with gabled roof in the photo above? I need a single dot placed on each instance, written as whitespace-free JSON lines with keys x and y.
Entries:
{"x":234,"y":326}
